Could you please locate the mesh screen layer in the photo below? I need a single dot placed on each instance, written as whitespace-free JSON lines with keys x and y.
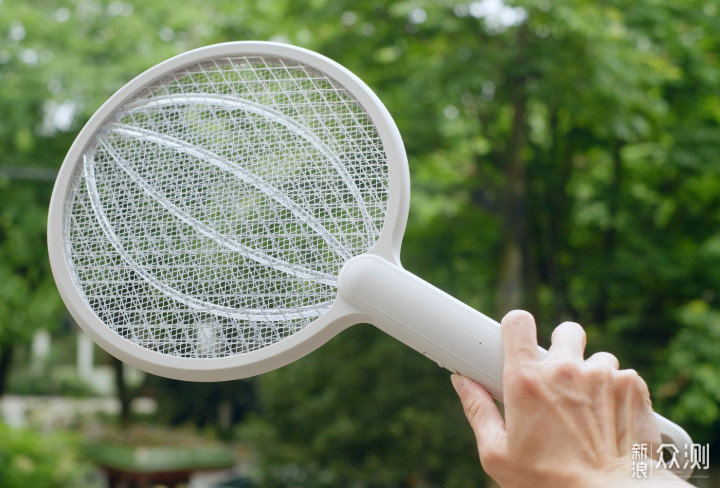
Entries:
{"x":212,"y":213}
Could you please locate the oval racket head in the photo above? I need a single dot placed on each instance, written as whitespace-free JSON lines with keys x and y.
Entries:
{"x":200,"y":219}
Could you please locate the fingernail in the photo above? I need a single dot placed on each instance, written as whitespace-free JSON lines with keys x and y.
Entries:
{"x":458,"y":383}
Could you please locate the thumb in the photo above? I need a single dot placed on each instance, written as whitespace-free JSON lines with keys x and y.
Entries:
{"x":481,"y":412}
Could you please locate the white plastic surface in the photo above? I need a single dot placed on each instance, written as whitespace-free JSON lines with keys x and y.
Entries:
{"x":445,"y":330}
{"x":425,"y":318}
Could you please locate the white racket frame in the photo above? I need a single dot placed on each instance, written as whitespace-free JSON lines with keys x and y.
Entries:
{"x":340,"y":315}
{"x":372,"y":287}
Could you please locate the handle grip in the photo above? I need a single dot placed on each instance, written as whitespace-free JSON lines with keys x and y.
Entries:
{"x":447,"y":331}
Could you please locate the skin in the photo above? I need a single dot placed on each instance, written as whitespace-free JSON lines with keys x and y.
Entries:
{"x":569,"y":421}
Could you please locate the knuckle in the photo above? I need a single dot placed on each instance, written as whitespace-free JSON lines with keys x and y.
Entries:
{"x":606,"y":357}
{"x":630,"y":380}
{"x":609,"y":358}
{"x":569,"y":327}
{"x":598,"y":373}
{"x":563,"y":370}
{"x":521,"y":382}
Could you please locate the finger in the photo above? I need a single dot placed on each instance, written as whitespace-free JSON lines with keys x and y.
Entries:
{"x":482,"y":413}
{"x":519,"y":335}
{"x":635,"y":418}
{"x":568,"y":339}
{"x":604,"y":359}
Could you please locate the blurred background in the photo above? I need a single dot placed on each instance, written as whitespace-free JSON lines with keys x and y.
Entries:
{"x":565,"y":158}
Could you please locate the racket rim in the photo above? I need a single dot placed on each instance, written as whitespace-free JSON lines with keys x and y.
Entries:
{"x":297,"y":344}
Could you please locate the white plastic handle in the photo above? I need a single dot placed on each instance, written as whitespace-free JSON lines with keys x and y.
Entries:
{"x":446,"y":330}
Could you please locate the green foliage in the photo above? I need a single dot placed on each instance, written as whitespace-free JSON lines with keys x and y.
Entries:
{"x":28,"y":458}
{"x":577,"y":134}
{"x":583,"y":136}
{"x":693,"y":371}
{"x":26,"y":382}
{"x":362,"y":411}
{"x":200,"y":404}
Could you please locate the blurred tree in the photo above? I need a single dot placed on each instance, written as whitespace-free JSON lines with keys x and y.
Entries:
{"x":694,"y":372}
{"x":207,"y":405}
{"x":29,"y":458}
{"x":58,"y":63}
{"x":565,"y":157}
{"x":361,"y":411}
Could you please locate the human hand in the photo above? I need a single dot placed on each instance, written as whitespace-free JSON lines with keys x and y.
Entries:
{"x":569,"y":422}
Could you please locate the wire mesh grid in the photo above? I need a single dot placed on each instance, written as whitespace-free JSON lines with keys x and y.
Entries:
{"x":213,"y":212}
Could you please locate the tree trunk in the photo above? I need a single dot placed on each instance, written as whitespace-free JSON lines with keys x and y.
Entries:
{"x":600,"y":310}
{"x":557,"y":208}
{"x":6,"y":354}
{"x":510,"y":294}
{"x":122,"y":391}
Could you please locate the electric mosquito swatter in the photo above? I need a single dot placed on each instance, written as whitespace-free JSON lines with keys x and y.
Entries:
{"x":233,"y":208}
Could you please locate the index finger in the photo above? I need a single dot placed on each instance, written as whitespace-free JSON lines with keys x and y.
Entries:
{"x":519,"y":335}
